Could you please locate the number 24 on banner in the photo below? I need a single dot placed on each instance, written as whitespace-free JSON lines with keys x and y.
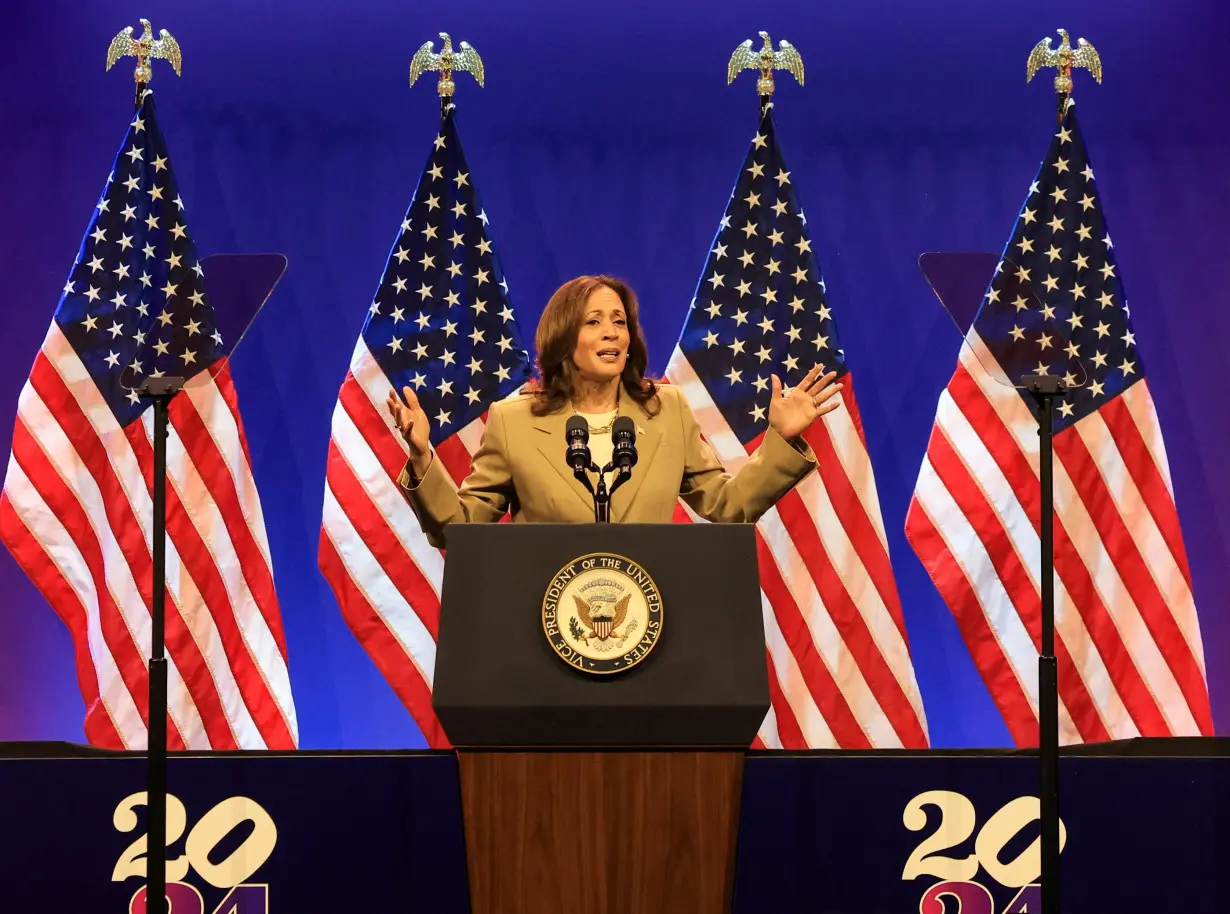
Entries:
{"x":229,"y":873}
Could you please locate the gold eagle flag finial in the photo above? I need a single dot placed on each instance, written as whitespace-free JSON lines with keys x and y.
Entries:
{"x":766,"y":60}
{"x":1063,"y":59}
{"x":447,"y":62}
{"x":145,"y":48}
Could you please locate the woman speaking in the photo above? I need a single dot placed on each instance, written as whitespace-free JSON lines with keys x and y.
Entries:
{"x":591,"y":363}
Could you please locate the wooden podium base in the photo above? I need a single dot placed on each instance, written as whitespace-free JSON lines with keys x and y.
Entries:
{"x":586,"y":832}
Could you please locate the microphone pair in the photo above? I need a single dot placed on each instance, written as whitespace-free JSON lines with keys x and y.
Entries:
{"x":623,"y":452}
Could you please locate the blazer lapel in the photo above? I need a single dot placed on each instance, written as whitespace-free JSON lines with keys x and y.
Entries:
{"x":553,"y":447}
{"x":648,"y":437}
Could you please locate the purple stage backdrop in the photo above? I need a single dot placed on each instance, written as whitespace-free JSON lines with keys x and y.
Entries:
{"x":607,"y":140}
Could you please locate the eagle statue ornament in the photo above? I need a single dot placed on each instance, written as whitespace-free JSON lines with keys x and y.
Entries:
{"x":164,"y":47}
{"x":1063,"y":58}
{"x":446,"y":62}
{"x":766,"y":60}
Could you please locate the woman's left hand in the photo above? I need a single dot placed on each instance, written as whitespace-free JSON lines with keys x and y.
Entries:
{"x":815,"y":395}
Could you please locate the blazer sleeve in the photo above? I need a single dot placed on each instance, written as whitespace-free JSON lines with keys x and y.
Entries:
{"x":483,"y":497}
{"x":770,"y":472}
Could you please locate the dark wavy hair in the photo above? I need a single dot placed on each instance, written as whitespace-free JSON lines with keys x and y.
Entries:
{"x":556,"y":340}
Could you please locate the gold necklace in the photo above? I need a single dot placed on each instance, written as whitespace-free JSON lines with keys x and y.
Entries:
{"x":601,"y":430}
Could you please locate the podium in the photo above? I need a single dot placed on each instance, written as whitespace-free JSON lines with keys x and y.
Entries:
{"x":587,"y":792}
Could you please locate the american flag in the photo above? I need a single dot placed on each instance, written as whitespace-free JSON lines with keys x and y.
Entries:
{"x":442,"y":324}
{"x":1127,"y":636}
{"x":77,"y":508}
{"x":840,"y":672}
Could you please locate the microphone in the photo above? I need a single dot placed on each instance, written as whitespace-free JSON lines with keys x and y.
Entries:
{"x":623,"y":454}
{"x":576,"y":432}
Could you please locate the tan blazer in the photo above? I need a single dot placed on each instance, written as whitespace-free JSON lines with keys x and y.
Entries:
{"x":520,"y":467}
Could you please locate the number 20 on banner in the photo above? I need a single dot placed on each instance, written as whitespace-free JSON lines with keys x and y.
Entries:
{"x":957,"y":823}
{"x":230,"y":873}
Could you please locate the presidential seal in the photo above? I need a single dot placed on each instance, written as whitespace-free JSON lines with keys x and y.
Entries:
{"x":602,"y":613}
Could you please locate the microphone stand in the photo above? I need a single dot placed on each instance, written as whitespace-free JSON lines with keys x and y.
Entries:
{"x":602,"y":495}
{"x":602,"y":498}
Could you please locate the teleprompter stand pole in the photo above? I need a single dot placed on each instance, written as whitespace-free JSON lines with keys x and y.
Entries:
{"x":160,"y":391}
{"x":1044,"y":389}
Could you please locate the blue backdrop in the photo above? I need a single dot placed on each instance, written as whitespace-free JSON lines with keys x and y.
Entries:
{"x":607,"y":140}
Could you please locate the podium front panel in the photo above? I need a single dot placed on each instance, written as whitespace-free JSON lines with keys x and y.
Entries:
{"x":498,"y":682}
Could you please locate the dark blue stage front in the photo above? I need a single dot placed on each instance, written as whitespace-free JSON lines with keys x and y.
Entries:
{"x":842,"y":833}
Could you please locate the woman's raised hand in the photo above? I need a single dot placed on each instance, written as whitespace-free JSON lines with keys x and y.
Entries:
{"x":413,"y":424}
{"x":815,"y":395}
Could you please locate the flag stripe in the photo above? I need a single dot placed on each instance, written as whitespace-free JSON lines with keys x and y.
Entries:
{"x":1164,"y":570}
{"x":376,"y":628}
{"x":839,"y":443}
{"x":372,"y":422}
{"x":783,"y":725}
{"x":847,"y":675}
{"x":125,"y":473}
{"x":121,"y":634}
{"x":828,"y":585}
{"x":109,"y":511}
{"x":1020,"y":583}
{"x":1139,"y":403}
{"x":1113,"y":531}
{"x":854,"y":602}
{"x":194,"y":574}
{"x":52,"y":582}
{"x":845,"y":728}
{"x":793,"y":710}
{"x":1092,"y":596}
{"x":1148,"y":479}
{"x":990,"y":463}
{"x":387,"y":548}
{"x":355,"y":428}
{"x":207,"y":427}
{"x":841,"y":494}
{"x":993,"y":640}
{"x":225,"y":693}
{"x":455,"y":458}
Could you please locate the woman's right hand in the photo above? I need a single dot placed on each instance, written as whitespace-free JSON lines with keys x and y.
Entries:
{"x":413,"y":424}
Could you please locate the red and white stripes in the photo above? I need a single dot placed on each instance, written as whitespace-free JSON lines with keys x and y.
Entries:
{"x":386,"y":576}
{"x":840,"y":667}
{"x":1127,"y":639}
{"x":76,"y":512}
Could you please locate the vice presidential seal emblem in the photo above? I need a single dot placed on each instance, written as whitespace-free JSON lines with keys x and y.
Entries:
{"x":602,"y":613}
